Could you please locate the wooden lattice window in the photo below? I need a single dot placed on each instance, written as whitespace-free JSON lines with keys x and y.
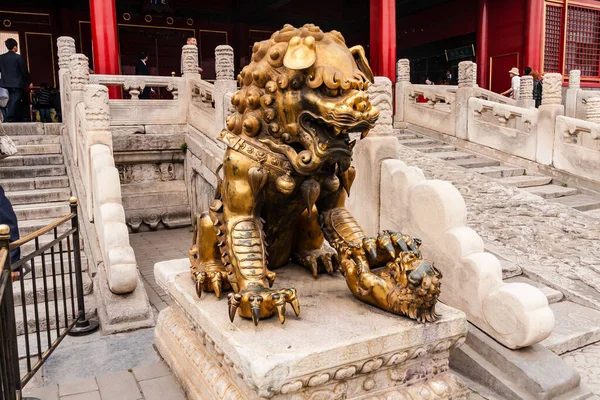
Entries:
{"x":552,"y":43}
{"x":583,"y":41}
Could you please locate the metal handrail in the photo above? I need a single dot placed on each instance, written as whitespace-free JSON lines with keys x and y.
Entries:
{"x":72,"y":322}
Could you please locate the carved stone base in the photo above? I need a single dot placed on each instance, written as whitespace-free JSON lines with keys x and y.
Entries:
{"x":339,"y":348}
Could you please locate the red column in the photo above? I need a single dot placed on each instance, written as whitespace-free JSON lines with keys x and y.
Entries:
{"x":482,"y":44}
{"x":534,"y":34}
{"x":105,"y":41}
{"x":383,"y":38}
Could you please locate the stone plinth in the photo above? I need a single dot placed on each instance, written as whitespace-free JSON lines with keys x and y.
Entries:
{"x":339,"y":347}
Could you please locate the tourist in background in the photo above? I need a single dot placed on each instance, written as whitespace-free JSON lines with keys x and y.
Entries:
{"x":42,"y":101}
{"x":14,"y":77}
{"x":515,"y":84}
{"x":56,"y":103}
{"x":141,"y":68}
{"x":537,"y":88}
{"x":527,"y":71}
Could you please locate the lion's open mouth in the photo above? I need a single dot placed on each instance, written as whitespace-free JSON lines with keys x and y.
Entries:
{"x":333,"y":136}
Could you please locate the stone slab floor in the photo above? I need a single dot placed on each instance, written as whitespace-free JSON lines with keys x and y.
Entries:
{"x":153,"y":247}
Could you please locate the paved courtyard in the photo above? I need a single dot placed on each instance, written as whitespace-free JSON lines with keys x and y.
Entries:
{"x":153,"y":247}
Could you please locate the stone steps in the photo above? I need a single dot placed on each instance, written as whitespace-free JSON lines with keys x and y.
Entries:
{"x":31,"y":128}
{"x":39,"y":196}
{"x":524,"y":181}
{"x":32,"y":160}
{"x":32,"y":149}
{"x":29,"y":226}
{"x":551,"y":191}
{"x":41,"y":293}
{"x":37,"y":141}
{"x":500,"y":171}
{"x":47,"y":182}
{"x":434,"y":148}
{"x":417,"y":142}
{"x":29,"y":247}
{"x":90,"y":307}
{"x":581,"y":202}
{"x":453,"y":155}
{"x":32,"y":171}
{"x":406,"y":136}
{"x":41,"y":210}
{"x":476,"y":162}
{"x":576,"y":326}
{"x":47,"y":264}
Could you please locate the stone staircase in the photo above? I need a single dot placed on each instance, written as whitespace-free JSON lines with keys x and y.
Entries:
{"x":546,"y":187}
{"x":576,"y":335}
{"x":36,"y":182}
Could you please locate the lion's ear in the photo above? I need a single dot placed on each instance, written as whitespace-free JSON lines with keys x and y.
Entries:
{"x":361,"y":61}
{"x":301,"y":53}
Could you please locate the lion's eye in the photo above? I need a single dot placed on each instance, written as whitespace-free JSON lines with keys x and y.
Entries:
{"x":331,"y":92}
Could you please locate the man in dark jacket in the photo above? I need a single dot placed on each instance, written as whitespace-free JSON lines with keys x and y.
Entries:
{"x":14,"y":78}
{"x":142,"y":69}
{"x":8,"y":217}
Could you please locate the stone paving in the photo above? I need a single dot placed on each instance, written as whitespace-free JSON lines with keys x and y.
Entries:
{"x":587,"y":363}
{"x":153,"y":247}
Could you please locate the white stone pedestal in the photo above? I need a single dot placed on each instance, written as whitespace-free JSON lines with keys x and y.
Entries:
{"x":339,"y":347}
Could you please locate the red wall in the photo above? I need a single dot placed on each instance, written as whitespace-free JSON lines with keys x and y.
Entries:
{"x":454,"y":18}
{"x":505,"y":40}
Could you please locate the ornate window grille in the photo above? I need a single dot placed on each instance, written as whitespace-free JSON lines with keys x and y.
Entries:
{"x":583,"y":41}
{"x":552,"y":43}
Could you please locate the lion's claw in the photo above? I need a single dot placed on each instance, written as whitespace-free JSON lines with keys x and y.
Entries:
{"x":211,"y":281}
{"x":262,"y":303}
{"x":325,"y":257}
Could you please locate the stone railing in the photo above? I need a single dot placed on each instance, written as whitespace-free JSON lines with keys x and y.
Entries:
{"x":513,"y":127}
{"x":503,"y":127}
{"x":144,"y":112}
{"x":576,"y":99}
{"x":515,"y":314}
{"x":439,"y":113}
{"x":577,"y":147}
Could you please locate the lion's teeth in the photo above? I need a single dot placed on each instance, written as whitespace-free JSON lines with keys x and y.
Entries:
{"x":352,"y":144}
{"x":337,"y":130}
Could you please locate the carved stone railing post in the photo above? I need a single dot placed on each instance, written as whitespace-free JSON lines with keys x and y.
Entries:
{"x":79,"y":76}
{"x":66,"y":48}
{"x":467,"y":78}
{"x":189,"y":59}
{"x":380,"y":96}
{"x":574,"y":79}
{"x":526,"y":92}
{"x":402,"y":86}
{"x":225,"y":83}
{"x":550,"y":109}
{"x":467,"y":72}
{"x":572,"y":91}
{"x":135,"y":85}
{"x":592,"y":110}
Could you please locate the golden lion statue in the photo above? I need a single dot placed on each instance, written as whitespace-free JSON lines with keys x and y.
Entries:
{"x":287,"y":174}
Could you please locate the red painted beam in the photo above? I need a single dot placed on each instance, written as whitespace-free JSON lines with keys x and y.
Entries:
{"x":383,"y":38}
{"x":105,"y":41}
{"x":534,"y":34}
{"x":482,"y":44}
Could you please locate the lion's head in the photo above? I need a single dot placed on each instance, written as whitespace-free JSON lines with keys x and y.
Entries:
{"x":302,"y":94}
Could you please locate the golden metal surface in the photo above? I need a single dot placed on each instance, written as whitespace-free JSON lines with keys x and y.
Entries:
{"x":286,"y":174}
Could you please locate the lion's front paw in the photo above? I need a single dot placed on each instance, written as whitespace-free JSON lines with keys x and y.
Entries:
{"x":317,"y":260}
{"x":257,"y":302}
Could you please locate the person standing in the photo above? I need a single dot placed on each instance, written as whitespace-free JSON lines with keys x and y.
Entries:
{"x":44,"y":102}
{"x":515,"y":84}
{"x":14,"y":77}
{"x":190,"y":40}
{"x":142,"y":69}
{"x":537,"y":88}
